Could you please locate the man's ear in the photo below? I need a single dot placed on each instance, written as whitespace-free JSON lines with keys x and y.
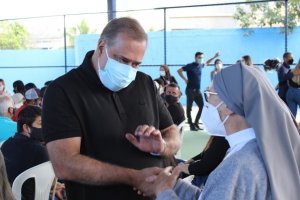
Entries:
{"x":101,"y":46}
{"x":25,"y":128}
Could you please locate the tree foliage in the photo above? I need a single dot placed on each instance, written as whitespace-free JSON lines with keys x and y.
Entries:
{"x":13,"y":35}
{"x":81,"y":28}
{"x":268,"y":14}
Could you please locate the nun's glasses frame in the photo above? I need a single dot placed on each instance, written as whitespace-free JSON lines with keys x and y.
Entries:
{"x":207,"y":94}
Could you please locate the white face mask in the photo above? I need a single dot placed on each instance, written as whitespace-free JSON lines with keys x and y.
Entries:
{"x":1,"y":87}
{"x":212,"y":121}
{"x":219,"y":66}
{"x":162,"y":73}
{"x":116,"y":76}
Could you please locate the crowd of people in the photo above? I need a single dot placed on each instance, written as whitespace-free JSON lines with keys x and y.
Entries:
{"x":111,"y":132}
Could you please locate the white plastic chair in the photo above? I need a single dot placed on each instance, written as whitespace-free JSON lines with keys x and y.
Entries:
{"x":44,"y":177}
{"x":181,"y":132}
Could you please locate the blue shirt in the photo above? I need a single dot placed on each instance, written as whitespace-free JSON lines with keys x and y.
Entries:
{"x":284,"y":74}
{"x":193,"y":71}
{"x":7,"y":128}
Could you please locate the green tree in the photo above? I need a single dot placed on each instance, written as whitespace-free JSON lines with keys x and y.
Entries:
{"x":13,"y":35}
{"x":268,"y":14}
{"x":81,"y":28}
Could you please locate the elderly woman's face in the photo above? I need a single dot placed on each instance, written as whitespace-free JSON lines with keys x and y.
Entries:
{"x":212,"y":96}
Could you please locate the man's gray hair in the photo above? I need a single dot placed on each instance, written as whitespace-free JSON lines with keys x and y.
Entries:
{"x":123,"y":25}
{"x":5,"y":103}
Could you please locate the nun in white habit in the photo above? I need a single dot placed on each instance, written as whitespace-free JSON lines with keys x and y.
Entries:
{"x":263,"y":161}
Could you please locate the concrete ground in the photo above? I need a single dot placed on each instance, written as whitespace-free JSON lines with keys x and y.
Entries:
{"x":193,"y":142}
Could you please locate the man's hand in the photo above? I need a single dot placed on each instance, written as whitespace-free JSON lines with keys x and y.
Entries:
{"x":59,"y":191}
{"x":140,"y":182}
{"x":148,"y":139}
{"x":217,"y":54}
{"x":165,"y":180}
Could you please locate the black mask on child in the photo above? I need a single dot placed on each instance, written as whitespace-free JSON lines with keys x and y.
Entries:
{"x":36,"y":134}
{"x":291,"y":61}
{"x":171,"y":99}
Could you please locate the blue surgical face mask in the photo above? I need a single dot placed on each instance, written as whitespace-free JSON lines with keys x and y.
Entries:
{"x":200,"y":60}
{"x":116,"y":76}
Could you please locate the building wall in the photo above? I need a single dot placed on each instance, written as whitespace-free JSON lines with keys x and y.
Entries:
{"x":264,"y":43}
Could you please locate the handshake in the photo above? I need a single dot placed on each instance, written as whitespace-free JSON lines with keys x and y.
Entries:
{"x":156,"y":180}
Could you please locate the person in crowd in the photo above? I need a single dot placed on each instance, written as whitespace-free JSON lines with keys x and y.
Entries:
{"x":193,"y":82}
{"x":218,"y":67}
{"x":32,"y":97}
{"x":259,"y":148}
{"x":29,"y":86}
{"x":165,"y":75}
{"x":204,"y":163}
{"x":42,"y":94}
{"x":105,"y":126}
{"x":293,"y":93}
{"x":3,"y":90}
{"x":47,"y":83}
{"x":160,"y":86}
{"x":25,"y":149}
{"x":18,"y":86}
{"x":18,"y":99}
{"x":5,"y":188}
{"x":247,"y":60}
{"x":7,"y":126}
{"x":284,"y":74}
{"x":175,"y":108}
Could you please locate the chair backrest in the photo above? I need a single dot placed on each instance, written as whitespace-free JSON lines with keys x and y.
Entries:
{"x":181,"y":132}
{"x":44,"y":177}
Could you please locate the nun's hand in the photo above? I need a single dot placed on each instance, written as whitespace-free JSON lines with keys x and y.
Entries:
{"x":164,"y":181}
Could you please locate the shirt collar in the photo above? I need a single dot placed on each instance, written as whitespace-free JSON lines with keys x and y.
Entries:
{"x":242,"y":136}
{"x":286,"y":65}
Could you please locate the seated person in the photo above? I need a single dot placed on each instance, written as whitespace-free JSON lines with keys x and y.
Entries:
{"x":259,"y":148}
{"x":32,"y":98}
{"x":7,"y":126}
{"x":165,"y":75}
{"x":204,"y":163}
{"x":159,"y":84}
{"x":25,"y":149}
{"x":175,"y":108}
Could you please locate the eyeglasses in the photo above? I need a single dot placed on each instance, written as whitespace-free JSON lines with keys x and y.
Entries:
{"x":207,"y":94}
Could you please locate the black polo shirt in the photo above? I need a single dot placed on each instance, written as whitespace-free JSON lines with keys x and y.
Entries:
{"x":21,"y":153}
{"x":78,"y":105}
{"x":177,"y":113}
{"x":193,"y":71}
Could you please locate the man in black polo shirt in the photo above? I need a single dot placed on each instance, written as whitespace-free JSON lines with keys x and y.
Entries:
{"x":105,"y":124}
{"x":193,"y":81}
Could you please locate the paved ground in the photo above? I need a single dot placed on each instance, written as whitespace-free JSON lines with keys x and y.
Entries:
{"x":194,"y":141}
